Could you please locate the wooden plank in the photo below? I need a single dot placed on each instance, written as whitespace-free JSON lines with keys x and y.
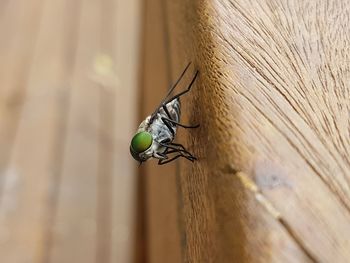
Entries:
{"x":106,"y":199}
{"x":273,"y":105}
{"x":126,"y":57}
{"x":74,"y":229}
{"x":33,"y":169}
{"x":162,"y":224}
{"x":102,"y":66}
{"x":68,"y":181}
{"x":19,"y":24}
{"x":107,"y":150}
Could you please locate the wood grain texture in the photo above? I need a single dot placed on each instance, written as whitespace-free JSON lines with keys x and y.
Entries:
{"x":272,"y":180}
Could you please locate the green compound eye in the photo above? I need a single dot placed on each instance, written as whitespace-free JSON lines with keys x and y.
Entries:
{"x":141,"y":142}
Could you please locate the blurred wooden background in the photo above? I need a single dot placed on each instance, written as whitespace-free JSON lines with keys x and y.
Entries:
{"x":68,"y":90}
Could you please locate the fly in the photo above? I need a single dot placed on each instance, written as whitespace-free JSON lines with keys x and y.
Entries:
{"x":155,"y":135}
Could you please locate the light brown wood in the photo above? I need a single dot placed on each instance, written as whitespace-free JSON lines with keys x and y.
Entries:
{"x":67,"y":109}
{"x":159,"y":182}
{"x":74,"y":231}
{"x":272,"y":180}
{"x":31,"y":170}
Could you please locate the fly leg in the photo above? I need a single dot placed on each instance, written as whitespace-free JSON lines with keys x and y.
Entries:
{"x":170,"y":91}
{"x":166,"y":101}
{"x":175,"y":97}
{"x":175,"y":148}
{"x":165,"y":120}
{"x":181,"y":147}
{"x":183,"y":92}
{"x":177,"y":81}
{"x":160,"y":155}
{"x":168,"y":125}
{"x":173,"y":121}
{"x":164,"y":161}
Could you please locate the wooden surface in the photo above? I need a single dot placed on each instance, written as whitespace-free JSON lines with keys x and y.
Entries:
{"x":272,"y":180}
{"x":159,"y":182}
{"x":67,"y":94}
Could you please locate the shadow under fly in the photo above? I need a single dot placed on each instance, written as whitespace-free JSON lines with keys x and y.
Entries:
{"x":155,"y":135}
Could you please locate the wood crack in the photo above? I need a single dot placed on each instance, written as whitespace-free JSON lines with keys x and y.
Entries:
{"x":251,"y":186}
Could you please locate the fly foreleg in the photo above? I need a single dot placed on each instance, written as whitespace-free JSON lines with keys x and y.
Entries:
{"x":181,"y":147}
{"x":178,"y":148}
{"x":160,"y":156}
{"x":166,"y":121}
{"x":173,"y":121}
{"x":164,"y":161}
{"x":163,"y":158}
{"x":183,"y":92}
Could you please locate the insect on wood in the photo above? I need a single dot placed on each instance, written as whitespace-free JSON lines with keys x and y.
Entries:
{"x":155,"y":135}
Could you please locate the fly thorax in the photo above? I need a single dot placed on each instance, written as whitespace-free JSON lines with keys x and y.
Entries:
{"x":144,"y":124}
{"x":160,"y":131}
